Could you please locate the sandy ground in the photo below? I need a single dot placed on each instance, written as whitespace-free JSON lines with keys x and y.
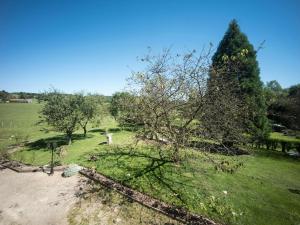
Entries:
{"x":39,"y":199}
{"x":36,"y":198}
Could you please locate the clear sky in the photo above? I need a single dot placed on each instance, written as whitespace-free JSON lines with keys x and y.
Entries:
{"x":92,"y":45}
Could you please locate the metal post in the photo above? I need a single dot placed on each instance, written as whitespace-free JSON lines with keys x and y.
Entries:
{"x":53,"y":146}
{"x":52,"y":156}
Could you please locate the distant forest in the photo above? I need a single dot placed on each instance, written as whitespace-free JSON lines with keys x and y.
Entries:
{"x":283,"y":104}
{"x":7,"y":96}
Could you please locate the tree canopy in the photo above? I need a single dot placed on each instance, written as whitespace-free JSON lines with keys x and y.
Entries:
{"x":61,"y":112}
{"x":116,"y":105}
{"x":88,"y":110}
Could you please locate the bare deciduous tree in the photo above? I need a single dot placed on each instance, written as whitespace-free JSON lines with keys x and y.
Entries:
{"x":170,"y":96}
{"x":224,"y":112}
{"x":171,"y":100}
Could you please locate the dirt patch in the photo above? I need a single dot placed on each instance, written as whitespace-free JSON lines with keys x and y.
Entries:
{"x":36,"y":198}
{"x":100,"y":205}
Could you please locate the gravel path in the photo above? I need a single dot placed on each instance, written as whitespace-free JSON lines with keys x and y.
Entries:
{"x":36,"y":198}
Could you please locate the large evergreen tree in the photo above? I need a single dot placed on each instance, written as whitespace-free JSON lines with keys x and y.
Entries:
{"x":236,"y":57}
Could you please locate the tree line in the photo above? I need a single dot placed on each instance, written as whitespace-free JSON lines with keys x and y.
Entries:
{"x":283,"y":104}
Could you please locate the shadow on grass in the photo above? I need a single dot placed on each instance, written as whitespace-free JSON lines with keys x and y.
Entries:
{"x":111,"y":130}
{"x":97,"y":130}
{"x":278,"y":155}
{"x":114,"y":130}
{"x":60,"y":140}
{"x":152,"y":170}
{"x":295,"y":191}
{"x":128,"y":210}
{"x":217,"y":148}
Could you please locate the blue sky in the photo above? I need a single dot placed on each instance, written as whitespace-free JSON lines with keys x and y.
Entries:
{"x":92,"y":45}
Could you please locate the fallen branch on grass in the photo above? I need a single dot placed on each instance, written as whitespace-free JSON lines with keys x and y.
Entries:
{"x":173,"y":212}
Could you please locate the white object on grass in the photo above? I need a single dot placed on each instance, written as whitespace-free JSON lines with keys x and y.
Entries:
{"x":109,"y":138}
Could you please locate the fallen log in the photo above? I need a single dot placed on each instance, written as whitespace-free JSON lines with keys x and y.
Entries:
{"x":173,"y":212}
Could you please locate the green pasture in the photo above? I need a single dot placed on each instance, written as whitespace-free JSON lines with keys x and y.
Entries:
{"x":264,"y":187}
{"x":18,"y":123}
{"x":281,"y":137}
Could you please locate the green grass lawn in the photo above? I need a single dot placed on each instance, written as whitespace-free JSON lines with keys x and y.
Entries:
{"x":281,"y":137}
{"x":264,"y":189}
{"x":18,"y":124}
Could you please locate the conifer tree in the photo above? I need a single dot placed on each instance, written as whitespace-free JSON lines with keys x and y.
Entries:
{"x":236,"y":56}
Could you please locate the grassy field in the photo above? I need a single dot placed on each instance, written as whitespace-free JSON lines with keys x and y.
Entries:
{"x":263,"y":189}
{"x":18,"y":124}
{"x":281,"y":137}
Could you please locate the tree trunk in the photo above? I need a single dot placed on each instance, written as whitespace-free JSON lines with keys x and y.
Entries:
{"x":227,"y":141}
{"x":176,"y":155}
{"x":283,"y":145}
{"x":69,"y":137}
{"x":84,"y":130}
